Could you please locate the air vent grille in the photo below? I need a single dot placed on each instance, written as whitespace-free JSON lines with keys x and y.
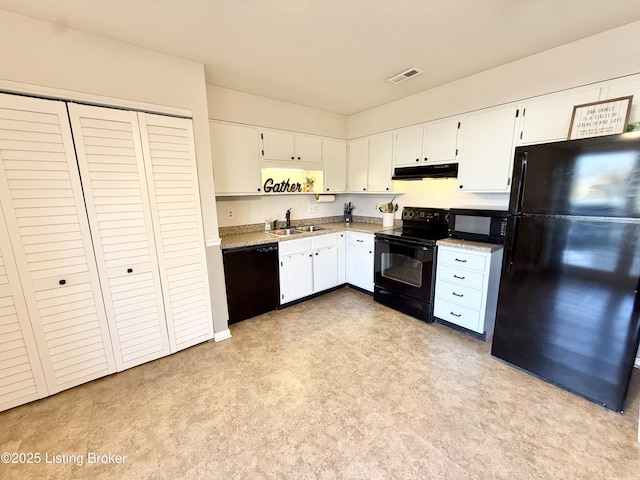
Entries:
{"x":403,"y":76}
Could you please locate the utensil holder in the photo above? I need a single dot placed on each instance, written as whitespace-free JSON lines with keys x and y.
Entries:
{"x":388,"y":219}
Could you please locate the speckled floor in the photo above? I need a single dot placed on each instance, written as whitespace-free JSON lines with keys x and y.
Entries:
{"x":335,"y":387}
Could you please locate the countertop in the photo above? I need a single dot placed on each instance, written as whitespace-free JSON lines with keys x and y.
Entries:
{"x":257,"y":238}
{"x":468,"y":245}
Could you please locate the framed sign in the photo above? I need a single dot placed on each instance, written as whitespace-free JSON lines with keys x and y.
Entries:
{"x":600,"y":118}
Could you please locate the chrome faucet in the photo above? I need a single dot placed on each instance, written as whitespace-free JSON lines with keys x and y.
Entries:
{"x":288,"y":219}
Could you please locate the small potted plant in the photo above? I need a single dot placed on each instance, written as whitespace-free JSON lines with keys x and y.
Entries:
{"x":308,"y":186}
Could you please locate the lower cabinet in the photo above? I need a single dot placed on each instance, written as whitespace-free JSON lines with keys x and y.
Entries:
{"x":308,"y":266}
{"x":360,"y":260}
{"x":466,"y":289}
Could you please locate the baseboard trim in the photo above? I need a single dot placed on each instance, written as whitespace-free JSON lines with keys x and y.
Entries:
{"x":223,"y":335}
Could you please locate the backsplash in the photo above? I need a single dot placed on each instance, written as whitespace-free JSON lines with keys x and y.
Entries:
{"x":259,"y":227}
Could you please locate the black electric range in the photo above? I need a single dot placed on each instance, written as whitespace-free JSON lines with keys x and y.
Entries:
{"x":405,"y":261}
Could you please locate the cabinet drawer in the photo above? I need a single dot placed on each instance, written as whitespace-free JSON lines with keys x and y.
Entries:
{"x":361,"y":239}
{"x":459,"y":276}
{"x":459,"y":294}
{"x":461,"y":258}
{"x":323,"y":241}
{"x":464,"y":317}
{"x":290,"y":247}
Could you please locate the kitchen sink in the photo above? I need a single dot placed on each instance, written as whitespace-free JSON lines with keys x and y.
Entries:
{"x":284,"y":232}
{"x":310,"y":228}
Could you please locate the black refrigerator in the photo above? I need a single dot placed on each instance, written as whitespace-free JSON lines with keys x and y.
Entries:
{"x":568,"y":307}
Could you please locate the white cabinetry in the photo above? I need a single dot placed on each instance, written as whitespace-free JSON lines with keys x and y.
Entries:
{"x":370,"y":164}
{"x":235,"y":150}
{"x":342,"y":258}
{"x":466,"y":289}
{"x":486,"y":150}
{"x":291,"y":150}
{"x":429,"y":143}
{"x":360,"y":260}
{"x":547,"y":118}
{"x":307,"y":266}
{"x":335,"y":165}
{"x":623,"y":88}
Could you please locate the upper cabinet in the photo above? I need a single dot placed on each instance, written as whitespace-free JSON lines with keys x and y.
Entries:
{"x":235,"y":150}
{"x":432,"y":142}
{"x":547,"y":118}
{"x":623,"y":88}
{"x":282,"y":149}
{"x":369,"y":167}
{"x":486,"y":150}
{"x":335,"y":165}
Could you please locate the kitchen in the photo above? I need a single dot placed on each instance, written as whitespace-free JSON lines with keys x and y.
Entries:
{"x":233,"y":106}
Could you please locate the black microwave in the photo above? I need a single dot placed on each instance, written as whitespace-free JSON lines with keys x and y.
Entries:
{"x":478,"y":225}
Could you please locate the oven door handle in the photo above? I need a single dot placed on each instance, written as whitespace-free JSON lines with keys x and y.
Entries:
{"x":404,"y":243}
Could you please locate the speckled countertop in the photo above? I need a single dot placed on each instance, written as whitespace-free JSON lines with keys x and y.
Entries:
{"x":236,"y":240}
{"x":467,"y":245}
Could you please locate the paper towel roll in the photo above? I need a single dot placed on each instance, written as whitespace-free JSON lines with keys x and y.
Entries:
{"x":325,"y":198}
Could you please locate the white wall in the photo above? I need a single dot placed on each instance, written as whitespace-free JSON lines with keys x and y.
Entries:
{"x":233,"y":106}
{"x":611,"y":54}
{"x":39,"y":57}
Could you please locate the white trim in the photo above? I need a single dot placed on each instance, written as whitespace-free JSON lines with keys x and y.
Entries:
{"x":223,"y":335}
{"x":20,"y":88}
{"x":214,"y":242}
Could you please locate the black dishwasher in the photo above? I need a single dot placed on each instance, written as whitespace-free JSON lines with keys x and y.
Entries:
{"x":251,"y":275}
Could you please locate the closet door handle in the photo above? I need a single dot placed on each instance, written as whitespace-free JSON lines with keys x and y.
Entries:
{"x":62,"y":282}
{"x":129,"y":270}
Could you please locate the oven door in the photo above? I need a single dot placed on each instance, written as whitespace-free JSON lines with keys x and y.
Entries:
{"x":404,"y":267}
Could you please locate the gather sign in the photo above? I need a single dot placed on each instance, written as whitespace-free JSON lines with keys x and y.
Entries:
{"x":285,"y":186}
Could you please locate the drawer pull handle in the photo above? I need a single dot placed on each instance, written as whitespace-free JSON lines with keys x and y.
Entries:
{"x":461,"y":260}
{"x":358,"y":240}
{"x":459,"y":278}
{"x":456,"y":314}
{"x":457,"y":294}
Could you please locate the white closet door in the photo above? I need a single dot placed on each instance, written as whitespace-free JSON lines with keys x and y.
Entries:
{"x":113,"y":177}
{"x":170,"y":162}
{"x":41,"y":196}
{"x":21,"y":376}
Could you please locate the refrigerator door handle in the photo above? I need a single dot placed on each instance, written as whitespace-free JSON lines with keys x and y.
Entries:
{"x":521,"y":180}
{"x":510,"y":244}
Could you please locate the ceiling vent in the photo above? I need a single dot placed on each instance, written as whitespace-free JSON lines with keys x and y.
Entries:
{"x":406,"y":75}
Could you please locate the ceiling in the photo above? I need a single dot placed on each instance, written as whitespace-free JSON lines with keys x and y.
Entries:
{"x":336,"y":54}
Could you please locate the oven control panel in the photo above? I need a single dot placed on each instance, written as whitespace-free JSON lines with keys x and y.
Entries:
{"x":421,"y":215}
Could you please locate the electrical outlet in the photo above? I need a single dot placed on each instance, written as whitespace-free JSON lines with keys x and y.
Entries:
{"x":377,"y":207}
{"x":229,"y":213}
{"x":313,"y":208}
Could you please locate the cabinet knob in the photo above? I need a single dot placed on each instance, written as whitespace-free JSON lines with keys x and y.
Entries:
{"x":316,"y":254}
{"x":129,"y":270}
{"x":387,"y":188}
{"x":62,"y":282}
{"x":327,"y":189}
{"x":293,"y":158}
{"x":258,"y":189}
{"x":460,"y":186}
{"x":426,"y":158}
{"x":417,"y":159}
{"x":364,"y":189}
{"x":298,"y":158}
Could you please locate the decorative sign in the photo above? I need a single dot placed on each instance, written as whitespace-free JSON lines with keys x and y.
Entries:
{"x":285,"y":186}
{"x":600,"y":118}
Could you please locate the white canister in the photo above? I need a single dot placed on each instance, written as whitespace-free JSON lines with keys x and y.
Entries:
{"x":388,"y":219}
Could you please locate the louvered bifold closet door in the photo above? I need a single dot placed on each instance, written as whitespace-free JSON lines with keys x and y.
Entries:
{"x":170,"y":163}
{"x":41,"y":196}
{"x":113,"y":177}
{"x":21,"y":376}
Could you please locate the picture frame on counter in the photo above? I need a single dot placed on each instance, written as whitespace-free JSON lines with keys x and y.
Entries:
{"x":606,"y":117}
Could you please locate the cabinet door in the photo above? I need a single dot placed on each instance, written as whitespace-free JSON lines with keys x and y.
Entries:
{"x":486,"y":150}
{"x":407,"y":146}
{"x":335,"y":166}
{"x":624,"y":88}
{"x":360,"y":260}
{"x":235,"y":151}
{"x":21,"y":376}
{"x":170,"y":165}
{"x":296,"y":276}
{"x":440,"y":143}
{"x":277,"y":145}
{"x":325,"y":268}
{"x":380,"y":157}
{"x":113,"y":178}
{"x":41,"y":195}
{"x":357,"y":165}
{"x":342,"y":258}
{"x":547,"y":119}
{"x":308,"y":149}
